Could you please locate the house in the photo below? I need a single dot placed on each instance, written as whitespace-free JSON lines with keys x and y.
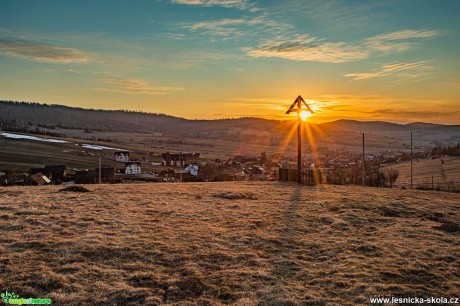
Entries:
{"x":122,"y":156}
{"x":86,"y":177}
{"x":39,"y":179}
{"x":192,"y":170}
{"x":239,"y":158}
{"x":273,"y":166}
{"x":178,"y":159}
{"x":255,"y":173}
{"x":168,"y":175}
{"x":19,"y":178}
{"x":56,"y":173}
{"x":187,"y":177}
{"x":107,"y":174}
{"x":133,"y":168}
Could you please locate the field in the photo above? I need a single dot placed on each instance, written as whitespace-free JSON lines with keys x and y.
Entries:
{"x":426,"y":171}
{"x":228,"y":243}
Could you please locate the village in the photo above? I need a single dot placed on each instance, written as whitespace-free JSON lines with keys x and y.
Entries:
{"x":129,"y":167}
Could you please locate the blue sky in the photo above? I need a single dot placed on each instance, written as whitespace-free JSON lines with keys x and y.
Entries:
{"x":367,"y":60}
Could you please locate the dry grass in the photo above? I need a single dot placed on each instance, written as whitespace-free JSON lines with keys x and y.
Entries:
{"x":149,"y":244}
{"x":427,"y":169}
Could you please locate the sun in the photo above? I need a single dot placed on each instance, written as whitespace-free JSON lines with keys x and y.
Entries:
{"x":304,"y":115}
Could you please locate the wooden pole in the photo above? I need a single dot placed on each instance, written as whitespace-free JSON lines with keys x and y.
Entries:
{"x":299,"y":143}
{"x":299,"y":101}
{"x":411,"y":162}
{"x":180,"y":167}
{"x":364,"y":164}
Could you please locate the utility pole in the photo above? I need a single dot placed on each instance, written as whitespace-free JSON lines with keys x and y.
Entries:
{"x":100,"y":169}
{"x":411,"y":162}
{"x":364,"y":164}
{"x":180,"y":167}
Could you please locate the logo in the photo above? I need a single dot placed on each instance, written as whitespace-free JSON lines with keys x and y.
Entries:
{"x":14,"y":299}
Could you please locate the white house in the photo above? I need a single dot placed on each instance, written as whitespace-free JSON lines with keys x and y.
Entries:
{"x":192,"y":169}
{"x":133,"y":168}
{"x":122,"y":156}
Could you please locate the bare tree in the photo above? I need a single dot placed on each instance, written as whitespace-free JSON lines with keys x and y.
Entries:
{"x":390,"y":175}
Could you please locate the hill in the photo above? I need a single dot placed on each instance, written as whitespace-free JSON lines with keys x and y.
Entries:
{"x":147,"y":133}
{"x":115,"y":120}
{"x":149,"y":244}
{"x":439,"y":171}
{"x":382,"y":126}
{"x":128,"y":121}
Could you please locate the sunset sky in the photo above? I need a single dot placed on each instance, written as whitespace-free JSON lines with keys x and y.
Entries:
{"x":396,"y":61}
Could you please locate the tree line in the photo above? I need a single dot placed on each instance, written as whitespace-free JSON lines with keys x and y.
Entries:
{"x":66,"y":117}
{"x":446,"y":150}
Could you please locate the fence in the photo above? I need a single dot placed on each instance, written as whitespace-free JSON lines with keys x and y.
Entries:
{"x":453,"y":186}
{"x":309,"y":176}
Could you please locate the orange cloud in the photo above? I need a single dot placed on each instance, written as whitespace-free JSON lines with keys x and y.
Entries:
{"x":411,"y":70}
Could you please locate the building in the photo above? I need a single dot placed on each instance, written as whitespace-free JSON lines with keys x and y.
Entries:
{"x":86,"y":177}
{"x":133,"y":168}
{"x":56,"y":173}
{"x":168,"y":175}
{"x":178,"y":159}
{"x":39,"y":179}
{"x":107,"y":174}
{"x":192,"y":170}
{"x":122,"y":156}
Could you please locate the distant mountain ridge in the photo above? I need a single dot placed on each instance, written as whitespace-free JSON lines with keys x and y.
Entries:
{"x":362,"y":126}
{"x":25,"y":113}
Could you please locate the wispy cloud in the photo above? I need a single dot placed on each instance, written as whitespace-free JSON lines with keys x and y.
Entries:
{"x":136,"y":87}
{"x":398,"y":41}
{"x":239,"y":4}
{"x":42,"y":52}
{"x":223,"y":28}
{"x":175,"y":36}
{"x":335,"y":15}
{"x":410,"y":70}
{"x":307,"y":48}
{"x":236,"y":28}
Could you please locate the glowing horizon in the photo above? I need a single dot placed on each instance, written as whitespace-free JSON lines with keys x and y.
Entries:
{"x":239,"y":58}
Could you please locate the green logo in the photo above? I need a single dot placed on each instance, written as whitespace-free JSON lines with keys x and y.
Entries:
{"x":14,"y":299}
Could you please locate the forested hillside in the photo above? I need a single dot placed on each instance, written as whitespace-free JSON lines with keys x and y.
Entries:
{"x":18,"y":116}
{"x":22,"y":114}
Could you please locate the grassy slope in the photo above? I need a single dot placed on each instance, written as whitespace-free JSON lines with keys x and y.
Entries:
{"x":175,"y":243}
{"x":424,"y":169}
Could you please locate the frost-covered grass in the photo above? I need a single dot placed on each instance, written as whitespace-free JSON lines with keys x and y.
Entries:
{"x":193,"y":243}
